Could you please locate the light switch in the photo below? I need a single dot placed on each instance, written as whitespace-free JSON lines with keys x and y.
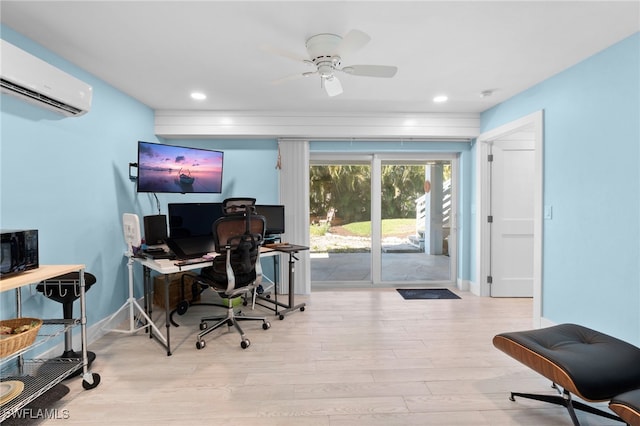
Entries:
{"x":548,"y":212}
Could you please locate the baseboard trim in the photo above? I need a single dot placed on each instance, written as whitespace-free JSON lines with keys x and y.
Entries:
{"x":463,"y":285}
{"x":475,"y":288}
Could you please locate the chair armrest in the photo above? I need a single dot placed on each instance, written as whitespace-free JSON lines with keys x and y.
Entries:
{"x":258,"y":269}
{"x":231,"y":277}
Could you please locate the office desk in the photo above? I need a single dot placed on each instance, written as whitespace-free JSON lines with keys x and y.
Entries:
{"x":291,"y":250}
{"x":168,"y":266}
{"x":164,"y":267}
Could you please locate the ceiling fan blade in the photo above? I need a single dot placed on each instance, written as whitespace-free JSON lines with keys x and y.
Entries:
{"x":284,"y":53}
{"x":287,"y":78}
{"x":385,"y":71}
{"x":332,"y":86}
{"x":354,"y":40}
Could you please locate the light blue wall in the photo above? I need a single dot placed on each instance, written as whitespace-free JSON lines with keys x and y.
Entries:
{"x":591,"y":245}
{"x":69,"y":178}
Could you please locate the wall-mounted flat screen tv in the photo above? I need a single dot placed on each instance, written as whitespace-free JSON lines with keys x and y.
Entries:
{"x":179,"y":169}
{"x":274,"y":216}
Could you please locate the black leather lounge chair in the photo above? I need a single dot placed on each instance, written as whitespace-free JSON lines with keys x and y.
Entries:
{"x":627,"y":406}
{"x":591,"y":365}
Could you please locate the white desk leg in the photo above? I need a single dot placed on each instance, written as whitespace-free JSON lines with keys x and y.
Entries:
{"x":167,"y":283}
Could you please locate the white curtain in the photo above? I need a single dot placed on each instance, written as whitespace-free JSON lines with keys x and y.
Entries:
{"x":294,"y":195}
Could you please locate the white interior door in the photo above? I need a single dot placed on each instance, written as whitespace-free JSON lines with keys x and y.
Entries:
{"x":512,"y":215}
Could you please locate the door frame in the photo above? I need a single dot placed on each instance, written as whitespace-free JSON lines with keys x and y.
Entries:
{"x":375,"y":160}
{"x":418,"y":159}
{"x":481,"y":287}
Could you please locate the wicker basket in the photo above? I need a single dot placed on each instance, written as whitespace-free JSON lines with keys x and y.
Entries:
{"x":12,"y":343}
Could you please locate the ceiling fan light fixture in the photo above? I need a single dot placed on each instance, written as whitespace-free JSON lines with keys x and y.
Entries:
{"x":326,"y":52}
{"x":332,"y":85}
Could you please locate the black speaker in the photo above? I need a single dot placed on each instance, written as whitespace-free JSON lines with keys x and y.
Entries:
{"x":155,"y":229}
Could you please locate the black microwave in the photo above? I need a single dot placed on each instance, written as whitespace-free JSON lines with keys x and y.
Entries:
{"x":18,"y":251}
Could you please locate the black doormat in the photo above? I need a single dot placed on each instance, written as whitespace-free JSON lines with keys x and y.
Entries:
{"x":427,"y":293}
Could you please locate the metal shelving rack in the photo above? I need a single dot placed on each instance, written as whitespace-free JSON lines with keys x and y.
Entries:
{"x":40,"y":375}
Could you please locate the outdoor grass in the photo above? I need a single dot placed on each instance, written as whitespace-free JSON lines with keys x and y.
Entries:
{"x":390,"y":227}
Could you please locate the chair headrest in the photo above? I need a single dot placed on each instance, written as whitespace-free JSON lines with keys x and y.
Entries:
{"x":229,"y":228}
{"x":239,"y":206}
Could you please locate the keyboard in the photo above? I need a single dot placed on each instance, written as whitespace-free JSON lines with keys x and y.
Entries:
{"x":194,"y":261}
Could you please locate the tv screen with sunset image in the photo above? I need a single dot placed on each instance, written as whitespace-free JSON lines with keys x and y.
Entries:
{"x":179,"y":169}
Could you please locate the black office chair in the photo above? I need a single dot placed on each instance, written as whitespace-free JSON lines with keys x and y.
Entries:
{"x":236,"y":270}
{"x":236,"y":206}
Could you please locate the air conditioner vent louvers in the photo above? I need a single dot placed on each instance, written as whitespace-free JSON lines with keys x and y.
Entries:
{"x":10,"y":87}
{"x":30,"y":78}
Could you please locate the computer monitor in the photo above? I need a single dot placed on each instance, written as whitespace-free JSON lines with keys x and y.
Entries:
{"x":192,"y":219}
{"x":274,"y":214}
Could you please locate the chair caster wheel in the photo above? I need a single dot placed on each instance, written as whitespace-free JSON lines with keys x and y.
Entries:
{"x":266,"y":325}
{"x":200,"y":344}
{"x":203,"y":326}
{"x":96,"y":381}
{"x":301,"y":308}
{"x":245,"y":344}
{"x":281,"y":317}
{"x":182,"y":307}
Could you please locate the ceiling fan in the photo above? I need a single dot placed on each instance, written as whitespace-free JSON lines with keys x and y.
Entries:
{"x":325,"y":54}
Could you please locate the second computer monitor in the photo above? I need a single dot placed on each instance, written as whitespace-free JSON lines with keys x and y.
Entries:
{"x":196,"y":219}
{"x":274,"y":214}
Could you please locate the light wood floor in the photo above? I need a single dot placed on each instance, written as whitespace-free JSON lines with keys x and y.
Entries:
{"x":353,"y":357}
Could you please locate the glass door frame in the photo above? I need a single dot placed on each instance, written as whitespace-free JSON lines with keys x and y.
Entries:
{"x":376,"y":161}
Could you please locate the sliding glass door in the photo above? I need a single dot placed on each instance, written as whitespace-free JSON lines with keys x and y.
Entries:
{"x":415,"y":206}
{"x":340,"y":222}
{"x":382,"y":220}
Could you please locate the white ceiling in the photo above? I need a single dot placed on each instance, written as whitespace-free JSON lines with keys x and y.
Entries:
{"x":160,"y":51}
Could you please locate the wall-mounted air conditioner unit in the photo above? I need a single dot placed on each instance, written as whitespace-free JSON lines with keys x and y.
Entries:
{"x":36,"y":81}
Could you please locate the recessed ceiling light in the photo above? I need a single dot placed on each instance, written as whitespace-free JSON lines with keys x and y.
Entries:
{"x":440,"y":98}
{"x":198,"y":96}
